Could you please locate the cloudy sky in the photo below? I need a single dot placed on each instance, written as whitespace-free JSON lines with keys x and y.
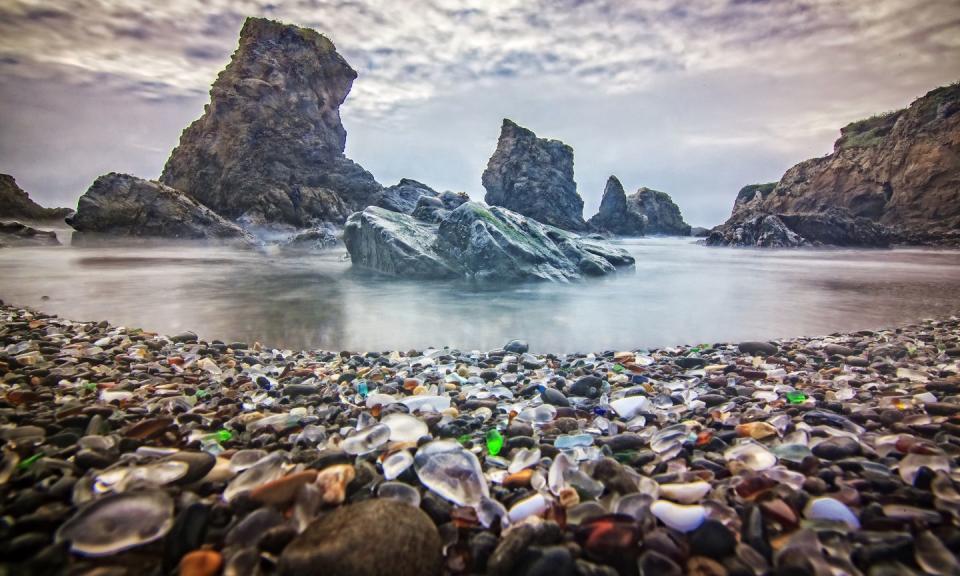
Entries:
{"x":695,"y":98}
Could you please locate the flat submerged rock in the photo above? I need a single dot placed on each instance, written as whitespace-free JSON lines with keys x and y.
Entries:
{"x":123,"y":449}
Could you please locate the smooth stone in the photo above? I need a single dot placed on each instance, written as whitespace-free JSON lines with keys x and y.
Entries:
{"x":827,"y":508}
{"x":201,"y":563}
{"x":758,"y":348}
{"x":837,"y":448}
{"x":679,"y":517}
{"x":554,"y":397}
{"x":282,"y":489}
{"x":199,"y":464}
{"x":587,"y":386}
{"x":552,"y":561}
{"x":394,"y":538}
{"x":517,"y":347}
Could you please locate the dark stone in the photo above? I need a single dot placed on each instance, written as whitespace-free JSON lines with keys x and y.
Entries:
{"x":758,"y":348}
{"x":554,"y":396}
{"x":837,"y":448}
{"x":651,"y":563}
{"x":587,"y":386}
{"x":713,"y":539}
{"x":406,"y":543}
{"x":517,"y":346}
{"x":551,"y":561}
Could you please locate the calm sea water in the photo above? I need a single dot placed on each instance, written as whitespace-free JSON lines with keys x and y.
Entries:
{"x":678,"y":293}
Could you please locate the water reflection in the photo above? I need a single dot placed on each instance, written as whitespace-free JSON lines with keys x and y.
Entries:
{"x":678,"y":293}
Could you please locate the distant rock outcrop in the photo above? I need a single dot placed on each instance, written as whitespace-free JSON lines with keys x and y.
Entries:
{"x":17,"y":234}
{"x":124,"y":205}
{"x":899,"y":170}
{"x":475,"y":242}
{"x":15,"y":204}
{"x":534,"y":177}
{"x":834,"y":227}
{"x":661,"y":213}
{"x":270,"y":145}
{"x":615,"y":214}
{"x":644,"y":212}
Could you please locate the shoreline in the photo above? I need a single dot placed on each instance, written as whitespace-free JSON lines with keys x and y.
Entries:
{"x":715,"y":460}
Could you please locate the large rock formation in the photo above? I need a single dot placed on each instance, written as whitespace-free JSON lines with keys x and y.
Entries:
{"x":124,"y":205}
{"x":661,"y":213}
{"x":644,"y":212}
{"x":269,"y":146}
{"x":534,"y":177}
{"x":475,"y":242}
{"x":900,"y":170}
{"x":17,"y":234}
{"x":15,"y":204}
{"x":615,"y":214}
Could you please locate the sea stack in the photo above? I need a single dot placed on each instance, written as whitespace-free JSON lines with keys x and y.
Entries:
{"x":644,"y":212}
{"x":269,"y":147}
{"x":534,"y":177}
{"x":615,"y":215}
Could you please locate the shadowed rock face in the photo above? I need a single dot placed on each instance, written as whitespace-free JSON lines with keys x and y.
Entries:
{"x":403,"y":196}
{"x":269,"y":146}
{"x":534,"y":177}
{"x":16,"y":204}
{"x":124,"y":205}
{"x":899,"y":170}
{"x":834,"y":227}
{"x":615,"y":215}
{"x":661,"y":213}
{"x":645,"y":212}
{"x":475,"y":242}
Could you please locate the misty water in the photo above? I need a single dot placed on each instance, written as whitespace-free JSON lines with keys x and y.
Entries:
{"x":678,"y":293}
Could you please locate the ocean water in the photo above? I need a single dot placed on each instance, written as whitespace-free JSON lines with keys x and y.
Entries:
{"x":678,"y":293}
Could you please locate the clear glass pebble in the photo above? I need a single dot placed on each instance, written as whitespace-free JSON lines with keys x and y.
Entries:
{"x":454,"y":473}
{"x":367,"y":440}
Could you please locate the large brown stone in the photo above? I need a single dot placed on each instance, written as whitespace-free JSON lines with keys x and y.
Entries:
{"x":368,"y":538}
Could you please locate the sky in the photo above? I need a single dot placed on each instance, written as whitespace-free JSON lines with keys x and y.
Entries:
{"x":695,"y":98}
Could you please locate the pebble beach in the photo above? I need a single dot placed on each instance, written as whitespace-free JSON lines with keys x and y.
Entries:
{"x":130,"y":452}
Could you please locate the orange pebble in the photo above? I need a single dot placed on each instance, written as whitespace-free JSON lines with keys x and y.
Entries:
{"x":201,"y":563}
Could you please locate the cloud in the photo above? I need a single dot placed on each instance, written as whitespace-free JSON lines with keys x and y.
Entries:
{"x":693,"y":97}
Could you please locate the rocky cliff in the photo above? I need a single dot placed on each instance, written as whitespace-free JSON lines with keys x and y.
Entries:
{"x":270,"y":145}
{"x":534,"y":177}
{"x":124,"y":205}
{"x":899,"y":170}
{"x":15,"y":204}
{"x":644,"y":212}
